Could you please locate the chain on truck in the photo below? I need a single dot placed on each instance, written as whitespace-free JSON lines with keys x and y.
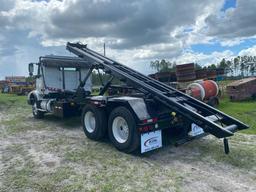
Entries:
{"x":142,"y":118}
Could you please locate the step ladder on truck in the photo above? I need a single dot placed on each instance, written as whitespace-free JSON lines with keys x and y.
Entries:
{"x":140,"y":120}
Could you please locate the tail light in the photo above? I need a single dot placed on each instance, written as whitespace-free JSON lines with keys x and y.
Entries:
{"x":152,"y":120}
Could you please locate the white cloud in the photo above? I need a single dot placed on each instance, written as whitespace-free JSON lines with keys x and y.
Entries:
{"x":231,"y":42}
{"x":249,"y":52}
{"x":204,"y":59}
{"x":134,"y":23}
{"x":135,"y":31}
{"x":236,"y":22}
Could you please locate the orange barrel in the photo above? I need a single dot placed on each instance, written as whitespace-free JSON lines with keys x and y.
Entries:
{"x":195,"y":90}
{"x":203,"y":90}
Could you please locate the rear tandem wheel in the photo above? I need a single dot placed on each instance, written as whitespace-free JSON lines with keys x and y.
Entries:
{"x":122,"y":130}
{"x":94,"y":122}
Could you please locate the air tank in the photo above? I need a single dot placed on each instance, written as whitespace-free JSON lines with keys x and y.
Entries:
{"x":47,"y":105}
{"x":203,"y":90}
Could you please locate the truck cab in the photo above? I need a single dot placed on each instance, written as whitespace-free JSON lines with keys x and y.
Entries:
{"x":60,"y":74}
{"x":56,"y":77}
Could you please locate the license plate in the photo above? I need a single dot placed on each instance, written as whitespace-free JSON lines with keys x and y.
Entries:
{"x":195,"y":130}
{"x":151,"y":141}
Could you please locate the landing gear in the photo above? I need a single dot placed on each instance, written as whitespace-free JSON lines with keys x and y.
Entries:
{"x":226,"y":146}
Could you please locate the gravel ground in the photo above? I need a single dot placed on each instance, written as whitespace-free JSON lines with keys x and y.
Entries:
{"x":54,"y":155}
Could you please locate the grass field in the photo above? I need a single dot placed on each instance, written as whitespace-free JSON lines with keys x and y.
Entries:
{"x":9,"y":99}
{"x":53,"y":154}
{"x":244,"y":111}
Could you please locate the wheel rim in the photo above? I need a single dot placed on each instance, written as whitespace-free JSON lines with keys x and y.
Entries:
{"x":89,"y":121}
{"x":120,"y":129}
{"x":34,"y":108}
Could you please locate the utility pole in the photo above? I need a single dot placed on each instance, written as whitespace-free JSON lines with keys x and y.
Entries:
{"x":104,"y":48}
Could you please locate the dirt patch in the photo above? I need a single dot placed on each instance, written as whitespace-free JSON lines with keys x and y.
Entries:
{"x":55,"y":155}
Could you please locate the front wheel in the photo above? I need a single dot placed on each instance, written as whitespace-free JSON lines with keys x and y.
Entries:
{"x":122,"y":130}
{"x":36,"y":112}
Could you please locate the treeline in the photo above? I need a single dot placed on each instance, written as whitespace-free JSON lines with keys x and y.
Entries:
{"x":238,"y":66}
{"x":163,"y":65}
{"x":167,"y":66}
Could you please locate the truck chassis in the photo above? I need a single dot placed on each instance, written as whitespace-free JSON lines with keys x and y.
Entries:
{"x":143,"y":119}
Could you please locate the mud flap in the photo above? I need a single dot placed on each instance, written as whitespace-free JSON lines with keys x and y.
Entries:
{"x":195,"y":130}
{"x":151,"y":141}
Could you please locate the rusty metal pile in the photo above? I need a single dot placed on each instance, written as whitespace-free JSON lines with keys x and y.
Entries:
{"x":185,"y":72}
{"x":242,"y":89}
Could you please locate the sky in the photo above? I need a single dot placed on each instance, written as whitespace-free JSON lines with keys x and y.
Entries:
{"x":135,"y":31}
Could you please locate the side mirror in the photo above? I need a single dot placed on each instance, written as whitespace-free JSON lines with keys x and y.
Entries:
{"x":31,"y":69}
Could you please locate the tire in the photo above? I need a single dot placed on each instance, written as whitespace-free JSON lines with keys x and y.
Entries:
{"x":36,"y":113}
{"x":122,"y":130}
{"x":213,"y":101}
{"x":94,"y":122}
{"x":254,"y":96}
